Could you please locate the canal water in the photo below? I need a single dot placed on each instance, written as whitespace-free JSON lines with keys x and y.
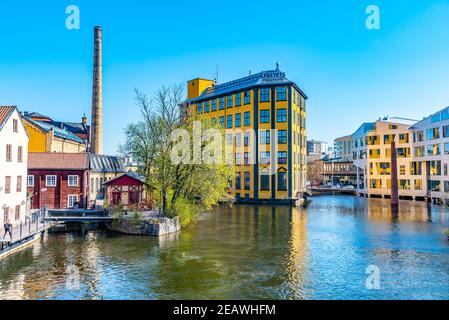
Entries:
{"x":327,"y":251}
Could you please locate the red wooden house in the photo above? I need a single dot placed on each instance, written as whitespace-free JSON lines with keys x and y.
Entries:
{"x":127,"y":190}
{"x":58,"y":180}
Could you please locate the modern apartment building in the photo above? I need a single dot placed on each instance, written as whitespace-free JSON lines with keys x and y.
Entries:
{"x":431,"y":154}
{"x":377,"y":164}
{"x":343,"y":147}
{"x":13,"y":166}
{"x":359,"y":153}
{"x":265,"y":108}
{"x":422,"y":157}
{"x":316,"y":148}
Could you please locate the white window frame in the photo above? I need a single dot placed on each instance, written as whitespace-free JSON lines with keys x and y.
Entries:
{"x":30,"y":178}
{"x":72,"y":177}
{"x":73,"y":197}
{"x":51,"y":177}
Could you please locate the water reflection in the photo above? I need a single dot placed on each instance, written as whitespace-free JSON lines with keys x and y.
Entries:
{"x":247,"y":252}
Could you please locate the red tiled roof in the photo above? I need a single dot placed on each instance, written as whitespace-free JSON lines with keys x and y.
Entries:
{"x":58,"y":161}
{"x":5,"y":112}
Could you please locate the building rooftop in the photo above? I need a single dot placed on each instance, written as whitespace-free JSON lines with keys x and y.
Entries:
{"x":336,"y":160}
{"x":441,"y":115}
{"x":105,"y":164}
{"x":270,"y":77}
{"x":5,"y":113}
{"x":349,"y":136}
{"x":130,"y":174}
{"x":58,"y":161}
{"x":73,"y":127}
{"x":59,"y":131}
{"x":398,"y":120}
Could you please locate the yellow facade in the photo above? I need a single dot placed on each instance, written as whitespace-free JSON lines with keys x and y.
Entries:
{"x":276,"y":108}
{"x":197,"y":86}
{"x":38,"y":138}
{"x":43,"y":141}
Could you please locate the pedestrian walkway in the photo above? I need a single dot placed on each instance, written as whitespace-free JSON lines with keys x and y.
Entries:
{"x":23,"y":232}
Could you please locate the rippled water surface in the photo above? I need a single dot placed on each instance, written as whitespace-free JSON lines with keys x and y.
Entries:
{"x":247,"y":252}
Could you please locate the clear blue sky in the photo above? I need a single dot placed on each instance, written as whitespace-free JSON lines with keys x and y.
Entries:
{"x":350,"y":73}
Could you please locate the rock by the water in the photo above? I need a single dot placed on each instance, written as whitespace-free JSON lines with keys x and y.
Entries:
{"x":155,"y":226}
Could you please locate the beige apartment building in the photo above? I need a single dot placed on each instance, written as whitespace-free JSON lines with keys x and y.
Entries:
{"x":343,"y":147}
{"x":431,"y":151}
{"x":422,"y":157}
{"x":372,"y":158}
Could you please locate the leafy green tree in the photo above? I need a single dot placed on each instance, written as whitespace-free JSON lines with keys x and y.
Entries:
{"x":181,"y":187}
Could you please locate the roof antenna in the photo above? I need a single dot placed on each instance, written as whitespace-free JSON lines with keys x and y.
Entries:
{"x":216,"y":76}
{"x":249,"y":72}
{"x":277,"y":66}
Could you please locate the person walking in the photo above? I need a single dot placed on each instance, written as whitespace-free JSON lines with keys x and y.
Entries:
{"x":8,"y":228}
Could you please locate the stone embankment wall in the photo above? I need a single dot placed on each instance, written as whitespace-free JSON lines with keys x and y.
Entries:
{"x":147,"y":227}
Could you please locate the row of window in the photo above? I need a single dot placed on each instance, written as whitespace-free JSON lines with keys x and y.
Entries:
{"x":229,"y":101}
{"x":17,"y":213}
{"x":298,"y":99}
{"x":299,"y":120}
{"x":432,"y":150}
{"x":9,"y":153}
{"x":236,"y":100}
{"x":265,"y":158}
{"x":8,"y":183}
{"x":96,"y":184}
{"x":265,"y":94}
{"x":435,"y":186}
{"x":384,"y":169}
{"x":264,"y":138}
{"x":52,"y":181}
{"x":281,"y":117}
{"x":431,"y":134}
{"x":440,"y":116}
{"x":387,"y":139}
{"x":419,"y":136}
{"x":264,"y":181}
{"x":404,"y":184}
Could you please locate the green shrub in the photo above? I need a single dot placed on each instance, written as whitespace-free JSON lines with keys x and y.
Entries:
{"x":137,"y":217}
{"x":117,"y":213}
{"x":184,"y":210}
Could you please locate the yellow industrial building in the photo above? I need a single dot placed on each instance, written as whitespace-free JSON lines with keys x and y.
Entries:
{"x":266,"y":108}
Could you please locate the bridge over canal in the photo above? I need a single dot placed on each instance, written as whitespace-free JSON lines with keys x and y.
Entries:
{"x":61,"y":216}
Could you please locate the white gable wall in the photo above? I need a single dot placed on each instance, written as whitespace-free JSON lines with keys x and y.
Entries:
{"x":13,"y":169}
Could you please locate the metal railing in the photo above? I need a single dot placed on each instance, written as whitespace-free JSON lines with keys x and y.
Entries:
{"x":32,"y":225}
{"x":77,"y":213}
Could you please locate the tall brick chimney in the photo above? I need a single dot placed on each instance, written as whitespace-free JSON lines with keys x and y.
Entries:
{"x":96,"y":140}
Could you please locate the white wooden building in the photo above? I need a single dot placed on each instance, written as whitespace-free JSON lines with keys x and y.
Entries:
{"x":13,"y":166}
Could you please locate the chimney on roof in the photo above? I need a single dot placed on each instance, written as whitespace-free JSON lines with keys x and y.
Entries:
{"x":84,"y":119}
{"x":97,"y":95}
